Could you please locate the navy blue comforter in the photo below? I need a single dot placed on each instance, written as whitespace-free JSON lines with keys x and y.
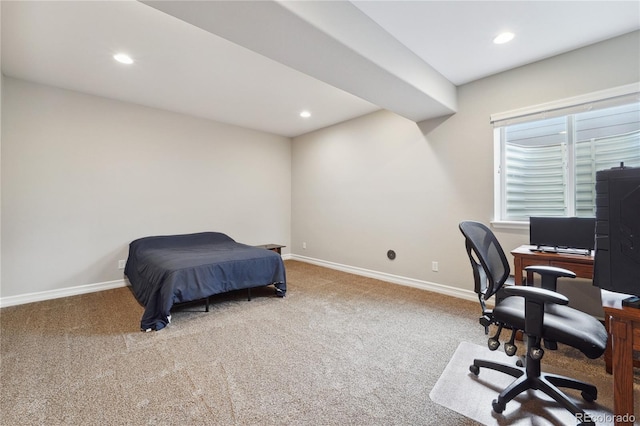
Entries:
{"x":164,"y":270}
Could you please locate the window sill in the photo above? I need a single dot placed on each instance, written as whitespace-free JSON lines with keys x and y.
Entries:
{"x":504,"y":224}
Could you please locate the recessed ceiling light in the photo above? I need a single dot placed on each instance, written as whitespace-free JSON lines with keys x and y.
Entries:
{"x":123,"y":58}
{"x":305,"y":114}
{"x":504,"y":38}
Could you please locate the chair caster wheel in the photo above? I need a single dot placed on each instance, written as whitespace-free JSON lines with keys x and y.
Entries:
{"x":493,"y":344}
{"x":588,"y":397}
{"x":474,"y":369}
{"x":510,"y":349}
{"x":497,"y":406}
{"x":536,"y":353}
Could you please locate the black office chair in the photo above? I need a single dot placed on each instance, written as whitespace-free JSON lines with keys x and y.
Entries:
{"x":540,"y":313}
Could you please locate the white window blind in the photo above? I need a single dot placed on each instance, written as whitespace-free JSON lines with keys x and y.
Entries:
{"x":548,"y":166}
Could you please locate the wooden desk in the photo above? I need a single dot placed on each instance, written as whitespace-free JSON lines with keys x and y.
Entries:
{"x":622,"y":323}
{"x":523,"y":256}
{"x":623,"y":326}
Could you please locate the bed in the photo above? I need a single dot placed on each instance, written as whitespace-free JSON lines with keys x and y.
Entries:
{"x":166,"y":270}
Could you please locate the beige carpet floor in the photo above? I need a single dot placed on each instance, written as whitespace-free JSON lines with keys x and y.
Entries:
{"x":340,"y":349}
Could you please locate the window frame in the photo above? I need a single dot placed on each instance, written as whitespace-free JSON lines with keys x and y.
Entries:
{"x":563,"y":107}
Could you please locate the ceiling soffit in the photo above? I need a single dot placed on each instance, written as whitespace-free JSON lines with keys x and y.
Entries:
{"x":333,"y":42}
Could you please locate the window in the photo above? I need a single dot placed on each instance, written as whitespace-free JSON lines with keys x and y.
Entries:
{"x":547,"y":161}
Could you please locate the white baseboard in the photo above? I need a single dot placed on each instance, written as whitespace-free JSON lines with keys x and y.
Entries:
{"x":395,"y":279}
{"x":383,"y":276}
{"x":21,"y":299}
{"x":62,"y":292}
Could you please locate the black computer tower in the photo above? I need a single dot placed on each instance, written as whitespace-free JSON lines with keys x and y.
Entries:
{"x":617,"y":251}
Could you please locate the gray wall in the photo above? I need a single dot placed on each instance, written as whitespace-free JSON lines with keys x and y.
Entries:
{"x":382,"y":182}
{"x":82,"y":176}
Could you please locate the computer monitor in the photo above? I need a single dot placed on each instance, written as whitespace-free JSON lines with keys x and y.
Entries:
{"x":577,"y":233}
{"x":617,"y":252}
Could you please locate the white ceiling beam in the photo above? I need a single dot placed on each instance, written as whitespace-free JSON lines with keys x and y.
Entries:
{"x":331,"y":41}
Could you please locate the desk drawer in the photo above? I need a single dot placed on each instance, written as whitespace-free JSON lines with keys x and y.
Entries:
{"x":534,"y":262}
{"x":581,"y":270}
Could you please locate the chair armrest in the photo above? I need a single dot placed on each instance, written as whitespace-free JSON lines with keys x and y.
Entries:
{"x":550,"y":270}
{"x":535,"y":300}
{"x":550,"y":275}
{"x":536,"y":294}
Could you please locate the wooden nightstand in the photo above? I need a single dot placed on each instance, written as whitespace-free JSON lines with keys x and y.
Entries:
{"x":273,"y":247}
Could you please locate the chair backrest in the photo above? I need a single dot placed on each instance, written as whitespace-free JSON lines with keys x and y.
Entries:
{"x":489,"y":263}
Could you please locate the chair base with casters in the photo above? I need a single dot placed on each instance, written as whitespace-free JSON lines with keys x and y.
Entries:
{"x":530,"y":377}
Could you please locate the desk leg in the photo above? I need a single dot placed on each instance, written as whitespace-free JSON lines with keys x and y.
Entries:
{"x":621,"y":341}
{"x":517,"y":270}
{"x":530,"y":278}
{"x":607,"y":352}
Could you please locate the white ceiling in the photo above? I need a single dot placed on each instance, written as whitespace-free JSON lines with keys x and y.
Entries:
{"x":258,"y":64}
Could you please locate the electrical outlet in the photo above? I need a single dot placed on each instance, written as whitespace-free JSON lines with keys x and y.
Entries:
{"x":121,"y":264}
{"x":304,"y":245}
{"x":434,"y":266}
